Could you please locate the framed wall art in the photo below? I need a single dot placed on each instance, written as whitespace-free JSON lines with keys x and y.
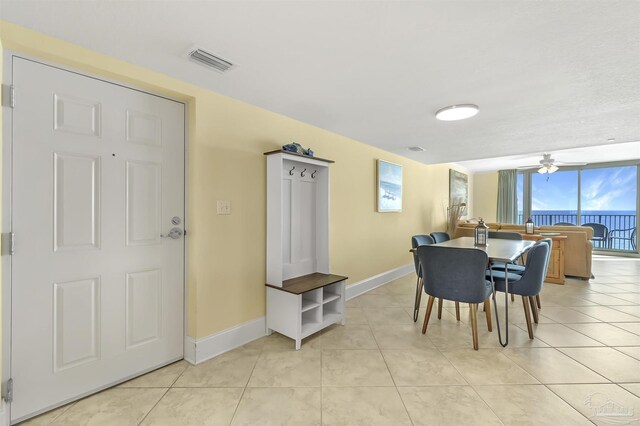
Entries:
{"x":389,"y":193}
{"x":458,"y":188}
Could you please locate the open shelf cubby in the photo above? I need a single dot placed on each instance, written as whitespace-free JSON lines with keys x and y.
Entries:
{"x":305,"y":305}
{"x":303,"y":297}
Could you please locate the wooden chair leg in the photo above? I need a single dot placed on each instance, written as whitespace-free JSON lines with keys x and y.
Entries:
{"x":534,"y":309}
{"x":474,"y":324}
{"x":439,"y":308}
{"x":427,"y":314}
{"x":458,"y":311}
{"x":538,"y":301}
{"x":487,"y":311}
{"x":527,"y":316}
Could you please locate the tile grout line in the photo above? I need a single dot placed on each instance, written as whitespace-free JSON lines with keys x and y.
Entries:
{"x":244,"y":389}
{"x":395,"y":385}
{"x":180,"y":375}
{"x":154,"y":406}
{"x":69,"y":405}
{"x":586,"y":366}
{"x":459,"y":372}
{"x":568,"y":404}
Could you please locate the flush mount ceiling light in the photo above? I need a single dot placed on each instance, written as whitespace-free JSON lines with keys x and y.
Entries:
{"x":457,"y":112}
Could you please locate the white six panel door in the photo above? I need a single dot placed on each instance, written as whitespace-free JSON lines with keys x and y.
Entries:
{"x":97,"y":293}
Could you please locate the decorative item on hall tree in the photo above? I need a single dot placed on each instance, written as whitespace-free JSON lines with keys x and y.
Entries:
{"x":298,"y":149}
{"x":389,"y":187}
{"x":528,"y":226}
{"x":481,"y":234}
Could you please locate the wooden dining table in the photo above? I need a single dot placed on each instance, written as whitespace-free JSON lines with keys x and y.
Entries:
{"x":499,"y":251}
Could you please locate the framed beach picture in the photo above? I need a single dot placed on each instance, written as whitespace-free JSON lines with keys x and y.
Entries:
{"x":458,"y":188}
{"x":389,"y":187}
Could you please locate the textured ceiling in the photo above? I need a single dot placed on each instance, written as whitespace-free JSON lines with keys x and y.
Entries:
{"x":590,"y":154}
{"x":547,"y":75}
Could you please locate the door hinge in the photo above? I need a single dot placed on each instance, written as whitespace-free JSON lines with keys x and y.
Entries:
{"x":8,"y":392}
{"x":8,"y":95}
{"x":8,"y":243}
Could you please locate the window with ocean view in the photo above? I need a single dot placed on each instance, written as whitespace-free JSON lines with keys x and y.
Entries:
{"x":554,"y":198}
{"x":608,"y":197}
{"x":605,"y":198}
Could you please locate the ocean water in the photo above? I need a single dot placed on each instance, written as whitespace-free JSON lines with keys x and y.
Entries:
{"x":584,"y":212}
{"x":599,"y":216}
{"x":622,"y":221}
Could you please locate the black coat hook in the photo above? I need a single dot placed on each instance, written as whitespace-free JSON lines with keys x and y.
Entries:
{"x":291,"y":171}
{"x":313,"y":175}
{"x":302,"y":173}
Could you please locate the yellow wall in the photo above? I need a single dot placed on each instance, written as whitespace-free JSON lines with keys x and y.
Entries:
{"x":227,"y":138}
{"x":485,"y":195}
{"x":1,"y":230}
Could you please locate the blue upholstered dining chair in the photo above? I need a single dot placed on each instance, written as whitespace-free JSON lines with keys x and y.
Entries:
{"x":497,"y":270}
{"x":440,"y":237}
{"x":529,"y":284}
{"x":505,"y":235}
{"x":511,"y":267}
{"x":456,"y":274}
{"x":417,"y":241}
{"x":549,"y":242}
{"x":564,"y":224}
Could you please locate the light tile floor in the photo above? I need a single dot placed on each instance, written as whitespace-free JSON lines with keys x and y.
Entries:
{"x":583,"y":367}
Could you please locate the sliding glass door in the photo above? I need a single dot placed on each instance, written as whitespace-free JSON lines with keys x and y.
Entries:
{"x":605,"y":198}
{"x":608,"y":199}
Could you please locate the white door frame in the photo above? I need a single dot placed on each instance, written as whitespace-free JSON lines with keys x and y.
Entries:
{"x":7,"y":224}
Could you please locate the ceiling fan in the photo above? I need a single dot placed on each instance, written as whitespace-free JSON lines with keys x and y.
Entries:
{"x":548,"y":165}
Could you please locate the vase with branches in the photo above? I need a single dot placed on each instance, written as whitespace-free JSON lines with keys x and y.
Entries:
{"x":454,"y":213}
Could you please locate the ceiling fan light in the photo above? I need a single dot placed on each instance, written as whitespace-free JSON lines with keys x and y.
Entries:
{"x":549,"y":168}
{"x":457,"y":112}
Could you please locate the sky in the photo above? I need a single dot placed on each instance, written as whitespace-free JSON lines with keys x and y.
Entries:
{"x":612,"y":188}
{"x":390,"y":172}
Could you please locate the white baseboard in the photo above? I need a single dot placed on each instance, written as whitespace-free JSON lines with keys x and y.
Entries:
{"x":190,"y":349}
{"x":200,"y":350}
{"x":368,"y":284}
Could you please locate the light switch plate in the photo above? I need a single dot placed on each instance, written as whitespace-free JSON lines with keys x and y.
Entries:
{"x":224,"y":207}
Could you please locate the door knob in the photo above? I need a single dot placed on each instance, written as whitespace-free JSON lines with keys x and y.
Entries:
{"x":174,"y":233}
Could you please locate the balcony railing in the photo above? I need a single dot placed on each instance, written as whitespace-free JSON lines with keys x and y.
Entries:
{"x":624,"y":225}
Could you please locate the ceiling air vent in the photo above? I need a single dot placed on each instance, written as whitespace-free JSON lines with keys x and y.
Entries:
{"x":416,"y":148}
{"x":210,"y":60}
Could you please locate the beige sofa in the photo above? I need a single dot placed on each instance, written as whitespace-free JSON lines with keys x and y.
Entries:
{"x":577,"y":249}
